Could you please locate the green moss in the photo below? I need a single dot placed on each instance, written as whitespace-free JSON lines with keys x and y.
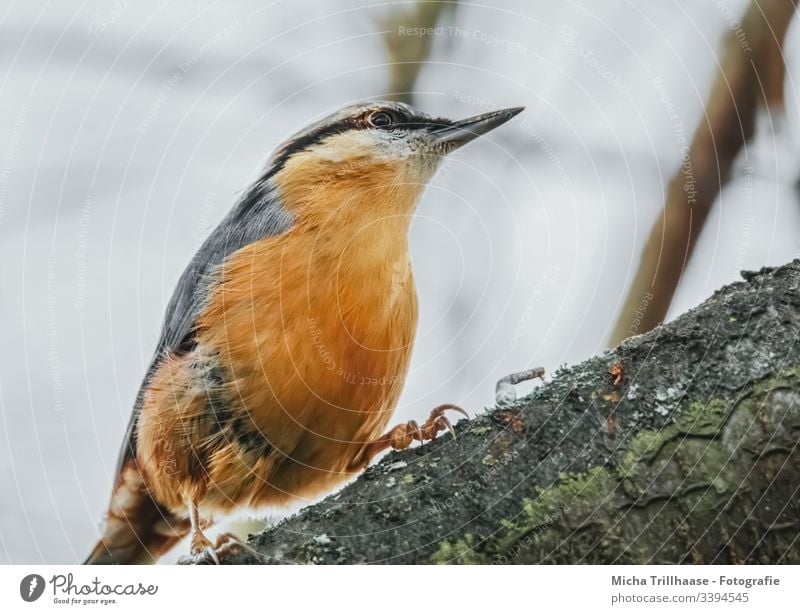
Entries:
{"x":702,"y":419}
{"x":689,"y":457}
{"x":480,"y":430}
{"x":459,"y":551}
{"x":586,"y":490}
{"x":407,"y":479}
{"x":643,"y":446}
{"x":698,"y":419}
{"x":788,"y":378}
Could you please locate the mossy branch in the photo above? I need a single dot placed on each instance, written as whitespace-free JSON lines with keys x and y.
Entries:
{"x":690,"y":456}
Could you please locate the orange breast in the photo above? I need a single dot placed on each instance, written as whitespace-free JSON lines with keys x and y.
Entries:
{"x":316,"y":338}
{"x":302,"y":347}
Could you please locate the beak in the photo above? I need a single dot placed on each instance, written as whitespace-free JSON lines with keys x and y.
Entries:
{"x":462,"y":132}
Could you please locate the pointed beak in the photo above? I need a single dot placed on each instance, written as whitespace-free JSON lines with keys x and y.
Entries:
{"x":462,"y":132}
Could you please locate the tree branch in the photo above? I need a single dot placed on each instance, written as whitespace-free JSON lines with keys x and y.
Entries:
{"x":688,"y":454}
{"x":407,"y":53}
{"x":751,"y":74}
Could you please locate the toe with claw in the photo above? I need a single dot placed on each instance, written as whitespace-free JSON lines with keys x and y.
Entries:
{"x":403,"y":435}
{"x":204,"y":553}
{"x":438,"y":421}
{"x":201,"y":552}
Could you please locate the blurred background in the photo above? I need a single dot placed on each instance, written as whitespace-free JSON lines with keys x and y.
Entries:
{"x":128,"y":128}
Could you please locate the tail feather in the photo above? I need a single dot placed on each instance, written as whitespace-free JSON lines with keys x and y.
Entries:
{"x":138,"y":530}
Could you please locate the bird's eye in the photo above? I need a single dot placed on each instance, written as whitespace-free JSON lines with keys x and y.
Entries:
{"x":381,"y":119}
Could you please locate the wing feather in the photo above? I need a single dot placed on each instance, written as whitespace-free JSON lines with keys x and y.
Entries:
{"x":256,"y":215}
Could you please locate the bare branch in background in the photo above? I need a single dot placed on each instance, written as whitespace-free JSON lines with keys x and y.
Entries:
{"x":408,"y":45}
{"x":751,"y":75}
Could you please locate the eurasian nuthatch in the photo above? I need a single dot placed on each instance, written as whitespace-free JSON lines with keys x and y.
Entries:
{"x":287,"y":340}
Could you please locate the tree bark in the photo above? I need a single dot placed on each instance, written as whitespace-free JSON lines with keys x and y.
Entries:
{"x":678,"y":446}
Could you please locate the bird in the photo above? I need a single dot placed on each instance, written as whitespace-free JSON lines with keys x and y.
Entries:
{"x":286,"y":343}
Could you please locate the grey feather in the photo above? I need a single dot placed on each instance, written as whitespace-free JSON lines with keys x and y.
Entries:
{"x":258,"y":214}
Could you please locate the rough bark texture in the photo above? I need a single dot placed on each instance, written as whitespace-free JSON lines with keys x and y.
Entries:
{"x":691,"y":456}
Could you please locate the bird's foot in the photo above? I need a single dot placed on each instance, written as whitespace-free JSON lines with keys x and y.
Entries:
{"x":403,"y":435}
{"x":202,"y":551}
{"x":228,"y":545}
{"x":505,"y":394}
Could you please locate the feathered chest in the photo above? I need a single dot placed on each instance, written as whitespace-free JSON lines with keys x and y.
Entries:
{"x":339,"y":319}
{"x":328,"y":308}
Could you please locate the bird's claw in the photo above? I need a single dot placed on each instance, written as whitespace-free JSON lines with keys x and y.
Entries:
{"x":443,"y":420}
{"x":210,"y":555}
{"x":403,"y":435}
{"x":437,"y":421}
{"x":206,"y":556}
{"x":439,"y":411}
{"x":415,"y":430}
{"x":226,"y":545}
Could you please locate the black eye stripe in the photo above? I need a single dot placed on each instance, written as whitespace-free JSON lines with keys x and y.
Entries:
{"x":401,"y":119}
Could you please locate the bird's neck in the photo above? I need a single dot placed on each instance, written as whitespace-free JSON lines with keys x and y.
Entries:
{"x":348,"y":195}
{"x":357,"y":214}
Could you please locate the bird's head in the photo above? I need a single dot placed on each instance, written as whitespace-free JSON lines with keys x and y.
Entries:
{"x":371,"y":156}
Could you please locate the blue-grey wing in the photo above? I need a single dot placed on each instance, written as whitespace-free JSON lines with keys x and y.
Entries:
{"x":257,"y":215}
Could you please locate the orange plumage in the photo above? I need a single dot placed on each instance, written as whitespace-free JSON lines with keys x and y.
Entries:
{"x":287,"y":342}
{"x":317,"y":350}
